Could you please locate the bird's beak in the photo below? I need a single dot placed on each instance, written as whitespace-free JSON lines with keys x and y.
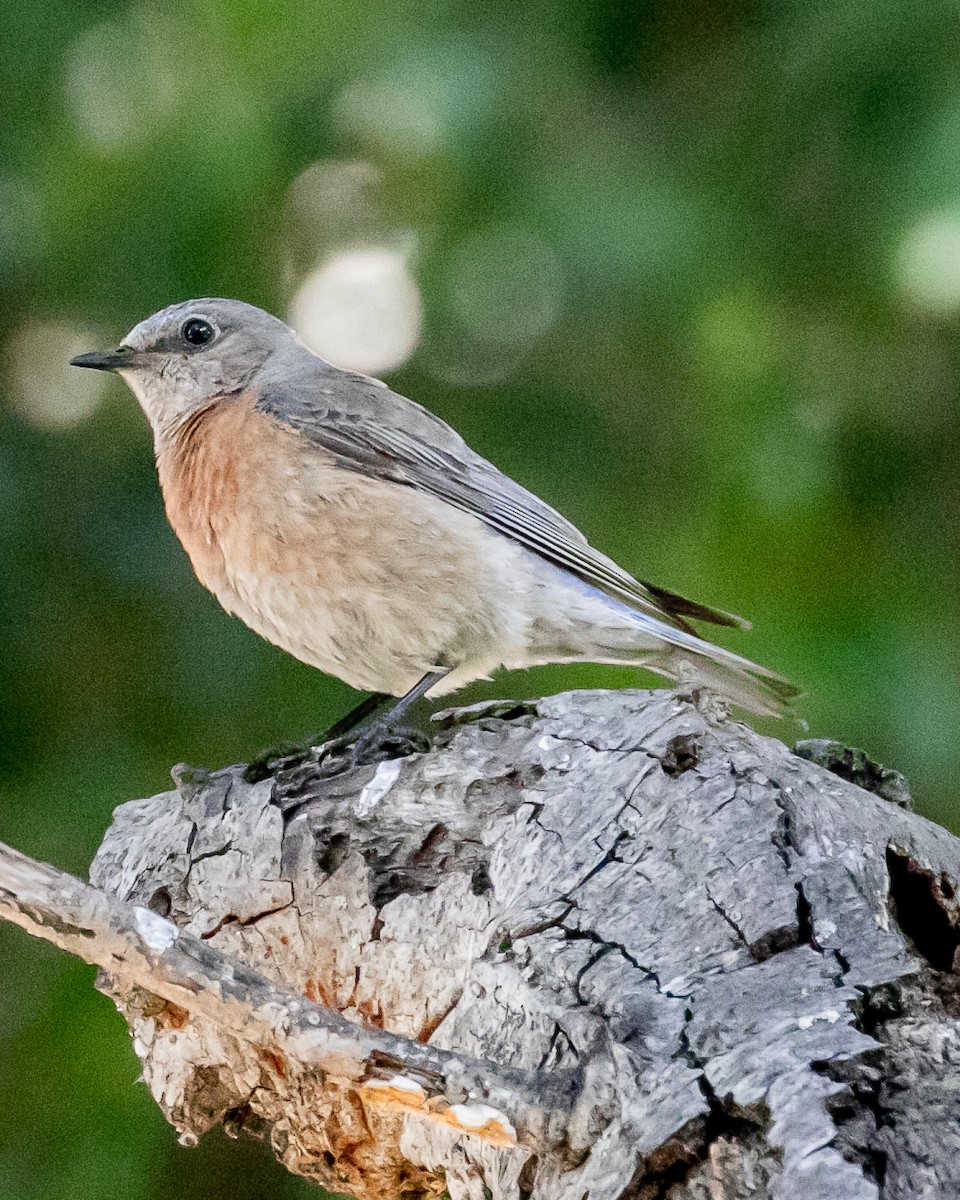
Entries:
{"x":124,"y":357}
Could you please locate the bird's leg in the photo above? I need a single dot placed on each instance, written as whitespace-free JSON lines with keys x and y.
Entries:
{"x":358,"y":714}
{"x":370,"y":731}
{"x":383,"y":735}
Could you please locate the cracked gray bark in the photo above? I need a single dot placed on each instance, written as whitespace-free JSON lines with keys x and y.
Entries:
{"x":654,"y":955}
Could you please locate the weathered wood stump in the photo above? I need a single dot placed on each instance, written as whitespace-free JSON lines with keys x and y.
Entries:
{"x":604,"y":945}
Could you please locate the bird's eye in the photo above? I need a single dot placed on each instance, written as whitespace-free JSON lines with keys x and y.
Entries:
{"x":197,"y":332}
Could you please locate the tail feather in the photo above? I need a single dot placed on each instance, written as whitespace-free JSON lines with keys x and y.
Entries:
{"x":679,"y":653}
{"x":680,"y":606}
{"x":686,"y":656}
{"x":743,"y":683}
{"x":583,"y":624}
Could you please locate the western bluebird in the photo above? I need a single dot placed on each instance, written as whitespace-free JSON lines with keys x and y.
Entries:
{"x":359,"y":532}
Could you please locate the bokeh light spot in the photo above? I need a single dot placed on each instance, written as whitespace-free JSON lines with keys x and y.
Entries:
{"x":331,"y":194}
{"x":360,"y":309}
{"x":333,"y":205}
{"x":928,"y":262}
{"x":43,"y":387}
{"x":505,"y":285}
{"x":421,"y":105}
{"x":120,"y":82}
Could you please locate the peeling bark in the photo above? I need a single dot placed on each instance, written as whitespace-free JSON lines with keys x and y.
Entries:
{"x":606,"y":945}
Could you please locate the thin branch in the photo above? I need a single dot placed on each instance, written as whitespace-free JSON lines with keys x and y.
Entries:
{"x":143,"y":949}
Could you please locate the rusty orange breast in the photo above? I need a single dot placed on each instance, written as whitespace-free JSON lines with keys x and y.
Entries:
{"x":211,"y":471}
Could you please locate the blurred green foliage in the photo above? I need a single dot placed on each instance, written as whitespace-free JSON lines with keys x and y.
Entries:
{"x":742,"y":384}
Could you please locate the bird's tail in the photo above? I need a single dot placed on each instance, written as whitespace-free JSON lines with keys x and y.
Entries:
{"x":742,"y":682}
{"x":600,"y":628}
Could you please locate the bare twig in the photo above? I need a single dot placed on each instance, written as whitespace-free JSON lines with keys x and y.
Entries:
{"x":139,"y":948}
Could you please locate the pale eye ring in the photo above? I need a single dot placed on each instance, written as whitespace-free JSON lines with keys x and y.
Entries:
{"x":197,"y":332}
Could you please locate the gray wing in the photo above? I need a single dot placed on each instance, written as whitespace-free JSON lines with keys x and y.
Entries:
{"x":381,"y":434}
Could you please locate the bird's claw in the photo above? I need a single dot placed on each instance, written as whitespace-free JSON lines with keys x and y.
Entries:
{"x":274,"y":759}
{"x":375,"y":746}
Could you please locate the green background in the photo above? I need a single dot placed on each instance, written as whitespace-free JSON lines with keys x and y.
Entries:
{"x":691,"y":272}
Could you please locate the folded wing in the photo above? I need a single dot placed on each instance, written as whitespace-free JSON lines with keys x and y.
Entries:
{"x":386,"y":436}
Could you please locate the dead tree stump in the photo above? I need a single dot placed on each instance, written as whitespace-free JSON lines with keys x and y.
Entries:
{"x":602,"y":946}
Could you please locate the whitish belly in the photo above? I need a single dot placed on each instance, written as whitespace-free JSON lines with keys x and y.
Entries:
{"x":375,"y":583}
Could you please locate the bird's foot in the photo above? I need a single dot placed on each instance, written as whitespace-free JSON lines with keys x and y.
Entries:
{"x":279,"y":758}
{"x":365,"y":735}
{"x":337,"y":755}
{"x":363,"y":748}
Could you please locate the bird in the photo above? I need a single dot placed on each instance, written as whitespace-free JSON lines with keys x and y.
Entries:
{"x":358,"y":531}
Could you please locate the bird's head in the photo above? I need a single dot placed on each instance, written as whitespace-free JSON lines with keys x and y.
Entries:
{"x":177,"y":360}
